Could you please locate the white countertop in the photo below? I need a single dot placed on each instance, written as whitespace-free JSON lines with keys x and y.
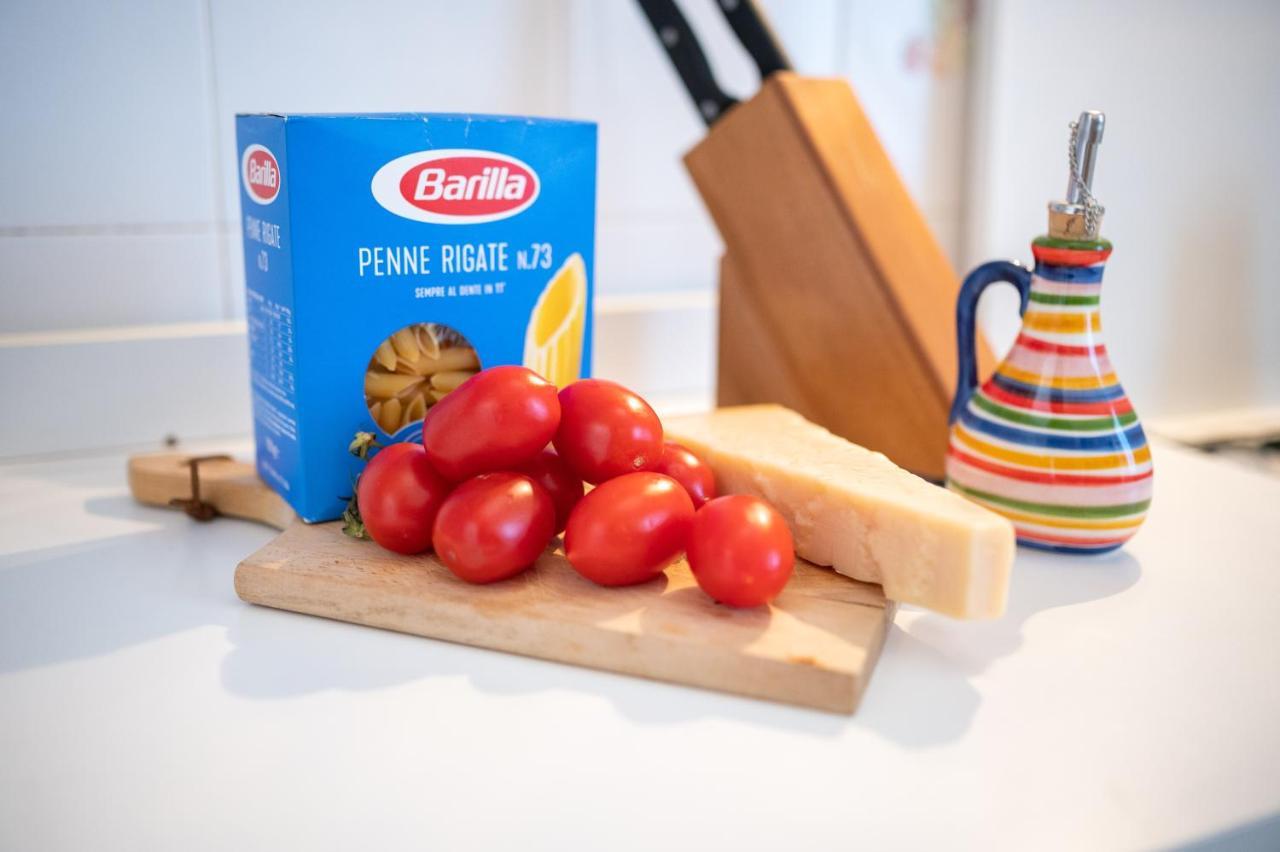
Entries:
{"x":1126,"y":701}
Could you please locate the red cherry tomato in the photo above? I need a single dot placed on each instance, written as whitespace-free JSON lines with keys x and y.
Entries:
{"x":606,"y":430}
{"x":690,"y":471}
{"x":740,"y":550}
{"x":549,"y":470}
{"x":399,"y":494}
{"x":494,"y":526}
{"x":628,"y":529}
{"x":496,"y":420}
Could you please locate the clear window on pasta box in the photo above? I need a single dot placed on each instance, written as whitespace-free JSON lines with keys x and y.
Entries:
{"x":388,"y":257}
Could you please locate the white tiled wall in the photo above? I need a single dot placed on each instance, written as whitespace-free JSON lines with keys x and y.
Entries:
{"x":96,"y":277}
{"x":107,"y":211}
{"x":106,"y":113}
{"x":118,"y":201}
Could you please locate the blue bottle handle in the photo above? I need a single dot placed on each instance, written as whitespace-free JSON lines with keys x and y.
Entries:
{"x":966,"y":315}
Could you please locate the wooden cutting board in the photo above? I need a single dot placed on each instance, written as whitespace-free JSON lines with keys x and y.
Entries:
{"x":815,"y":646}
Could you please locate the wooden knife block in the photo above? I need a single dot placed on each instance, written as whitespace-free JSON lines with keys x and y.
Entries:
{"x":835,"y":298}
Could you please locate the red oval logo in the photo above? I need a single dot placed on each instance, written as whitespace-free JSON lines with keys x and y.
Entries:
{"x":455,"y":186}
{"x":467,"y":186}
{"x":260,"y":173}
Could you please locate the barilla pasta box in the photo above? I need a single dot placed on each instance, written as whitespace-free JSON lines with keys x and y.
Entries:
{"x":387,"y":259}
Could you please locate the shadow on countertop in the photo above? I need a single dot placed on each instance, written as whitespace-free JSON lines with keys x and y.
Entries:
{"x":921,"y":695}
{"x":98,"y":597}
{"x":1261,"y":835}
{"x":92,"y":599}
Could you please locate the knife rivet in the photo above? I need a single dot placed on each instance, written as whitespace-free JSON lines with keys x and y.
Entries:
{"x":669,"y":36}
{"x":709,"y":109}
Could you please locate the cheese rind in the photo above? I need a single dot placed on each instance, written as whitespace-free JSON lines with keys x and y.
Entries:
{"x":853,"y":509}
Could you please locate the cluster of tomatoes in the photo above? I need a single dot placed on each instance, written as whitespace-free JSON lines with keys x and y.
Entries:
{"x":487,"y":492}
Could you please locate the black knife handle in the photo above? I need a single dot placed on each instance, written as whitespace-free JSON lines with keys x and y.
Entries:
{"x":686,"y":55}
{"x":754,"y":33}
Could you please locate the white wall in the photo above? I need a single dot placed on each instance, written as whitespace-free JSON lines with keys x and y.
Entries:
{"x":119,"y":209}
{"x":108,"y":211}
{"x":118,"y":205}
{"x":1189,"y":172}
{"x":117,"y":163}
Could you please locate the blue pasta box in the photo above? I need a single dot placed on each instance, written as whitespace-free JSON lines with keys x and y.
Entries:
{"x":388,"y":257}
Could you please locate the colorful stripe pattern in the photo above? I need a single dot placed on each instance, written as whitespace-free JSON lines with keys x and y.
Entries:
{"x":1050,"y":441}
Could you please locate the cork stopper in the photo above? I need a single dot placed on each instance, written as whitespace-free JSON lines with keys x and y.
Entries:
{"x":1070,"y":222}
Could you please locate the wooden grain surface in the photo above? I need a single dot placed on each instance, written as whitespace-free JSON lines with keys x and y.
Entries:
{"x":836,"y":300}
{"x":816,"y":646}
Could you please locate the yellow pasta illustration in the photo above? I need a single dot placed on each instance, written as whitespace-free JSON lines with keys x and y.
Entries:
{"x":412,"y":370}
{"x":553,"y":339}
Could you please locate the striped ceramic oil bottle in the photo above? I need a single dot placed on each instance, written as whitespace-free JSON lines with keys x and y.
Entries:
{"x":1050,"y":440}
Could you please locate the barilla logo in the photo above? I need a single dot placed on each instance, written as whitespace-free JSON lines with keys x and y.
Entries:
{"x":456,"y":186}
{"x":260,"y":173}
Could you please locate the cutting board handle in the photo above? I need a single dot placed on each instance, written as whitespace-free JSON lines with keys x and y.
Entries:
{"x":223,"y":486}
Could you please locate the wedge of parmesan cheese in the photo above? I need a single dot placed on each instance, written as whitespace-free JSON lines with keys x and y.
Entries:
{"x":853,"y":509}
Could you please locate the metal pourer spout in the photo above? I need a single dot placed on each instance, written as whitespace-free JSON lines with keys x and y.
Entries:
{"x":1080,"y":216}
